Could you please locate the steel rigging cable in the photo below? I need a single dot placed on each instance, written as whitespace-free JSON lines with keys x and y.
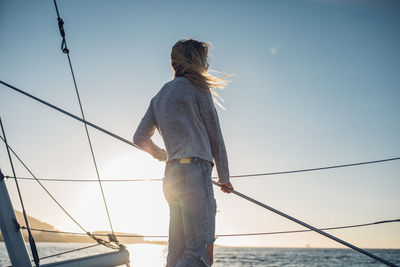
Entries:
{"x":32,"y":243}
{"x":98,"y":240}
{"x":70,"y":114}
{"x":265,"y":206}
{"x":65,"y":50}
{"x":232,"y":176}
{"x":127,"y":235}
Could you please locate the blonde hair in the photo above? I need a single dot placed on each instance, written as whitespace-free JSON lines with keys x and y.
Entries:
{"x":189,"y":58}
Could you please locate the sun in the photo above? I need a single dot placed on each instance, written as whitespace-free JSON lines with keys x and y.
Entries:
{"x":136,"y":207}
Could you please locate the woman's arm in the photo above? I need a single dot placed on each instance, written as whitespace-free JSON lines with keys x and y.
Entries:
{"x":211,"y":122}
{"x":143,"y":134}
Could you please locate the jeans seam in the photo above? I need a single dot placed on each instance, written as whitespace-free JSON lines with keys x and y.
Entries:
{"x":207,"y":202}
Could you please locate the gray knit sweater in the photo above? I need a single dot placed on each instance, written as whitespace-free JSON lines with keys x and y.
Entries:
{"x":187,"y":120}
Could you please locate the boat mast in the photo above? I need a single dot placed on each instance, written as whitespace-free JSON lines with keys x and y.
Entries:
{"x":10,"y":229}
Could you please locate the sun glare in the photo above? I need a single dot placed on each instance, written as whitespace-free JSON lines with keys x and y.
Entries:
{"x":136,"y":207}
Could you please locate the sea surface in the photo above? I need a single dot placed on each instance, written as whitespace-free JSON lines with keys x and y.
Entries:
{"x":148,"y":255}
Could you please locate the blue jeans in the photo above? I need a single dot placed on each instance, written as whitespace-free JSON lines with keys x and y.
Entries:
{"x":189,"y":192}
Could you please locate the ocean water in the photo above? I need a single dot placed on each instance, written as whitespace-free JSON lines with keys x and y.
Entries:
{"x":146,"y":255}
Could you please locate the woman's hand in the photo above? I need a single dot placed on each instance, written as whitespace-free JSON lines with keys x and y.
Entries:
{"x":151,"y":148}
{"x":161,"y":154}
{"x":226,"y":187}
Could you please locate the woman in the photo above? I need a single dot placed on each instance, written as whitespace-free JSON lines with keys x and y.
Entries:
{"x":184,"y":114}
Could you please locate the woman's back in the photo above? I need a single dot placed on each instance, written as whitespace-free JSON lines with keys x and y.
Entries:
{"x":179,"y":122}
{"x":188,"y":123}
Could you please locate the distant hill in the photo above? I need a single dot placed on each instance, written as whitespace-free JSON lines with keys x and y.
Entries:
{"x":56,"y":237}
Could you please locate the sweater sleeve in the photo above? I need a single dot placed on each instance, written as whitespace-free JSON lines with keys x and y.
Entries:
{"x":210,"y":118}
{"x":145,"y":131}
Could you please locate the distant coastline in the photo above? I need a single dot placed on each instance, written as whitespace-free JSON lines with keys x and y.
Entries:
{"x":72,"y":238}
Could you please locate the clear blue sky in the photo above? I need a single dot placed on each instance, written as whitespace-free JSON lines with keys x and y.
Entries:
{"x":316,"y":83}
